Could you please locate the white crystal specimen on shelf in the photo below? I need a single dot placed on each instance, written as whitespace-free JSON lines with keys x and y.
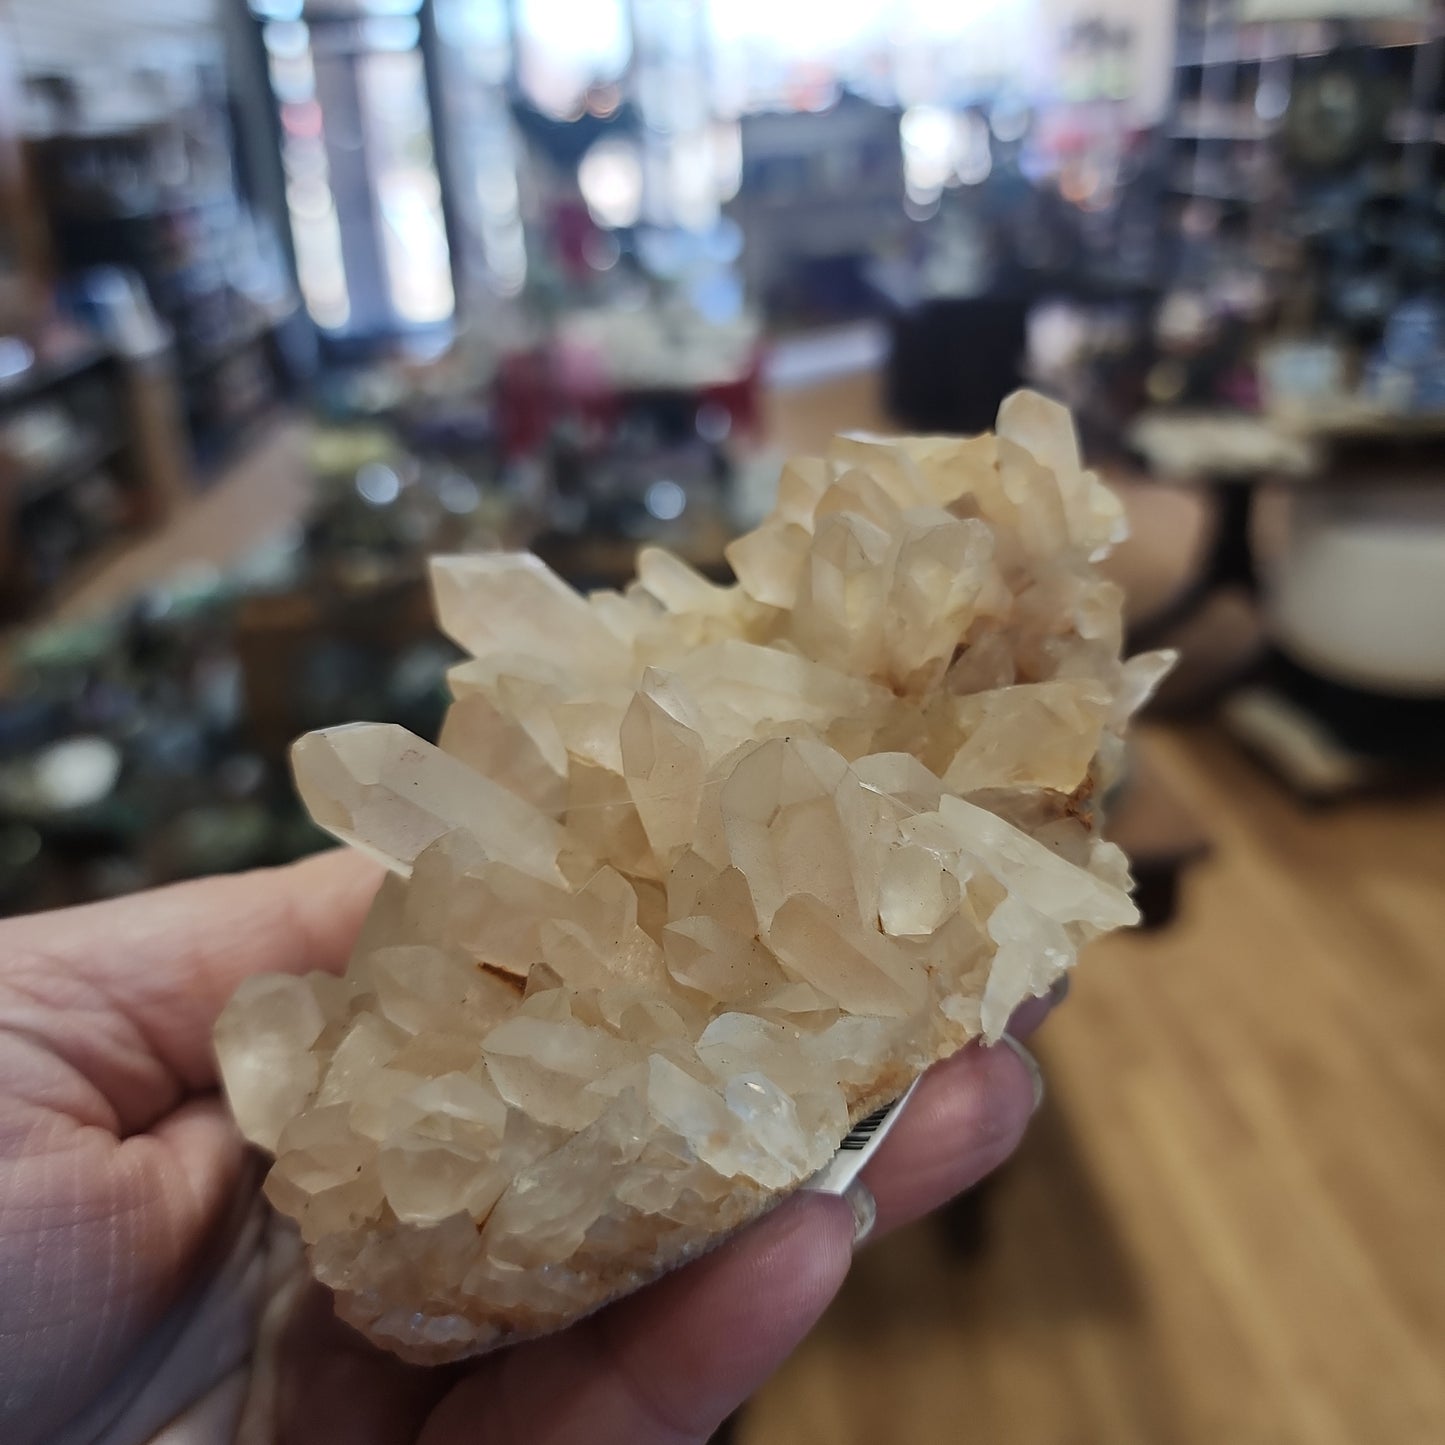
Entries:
{"x":698,"y":876}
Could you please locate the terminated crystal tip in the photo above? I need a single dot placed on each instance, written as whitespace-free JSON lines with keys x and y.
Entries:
{"x":697,"y":878}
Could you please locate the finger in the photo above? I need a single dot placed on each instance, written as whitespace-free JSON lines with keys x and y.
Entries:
{"x":668,"y":1365}
{"x":334,"y":1385}
{"x":153,"y":971}
{"x":139,"y":1255}
{"x":965,"y":1118}
{"x":1029,"y":1017}
{"x":198,"y":1156}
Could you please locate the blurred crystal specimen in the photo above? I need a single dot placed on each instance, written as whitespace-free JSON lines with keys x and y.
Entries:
{"x":698,"y":876}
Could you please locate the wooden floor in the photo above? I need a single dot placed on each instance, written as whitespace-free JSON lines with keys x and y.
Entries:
{"x":1228,"y":1224}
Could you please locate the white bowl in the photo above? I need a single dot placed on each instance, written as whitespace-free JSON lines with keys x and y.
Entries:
{"x":1359,"y":593}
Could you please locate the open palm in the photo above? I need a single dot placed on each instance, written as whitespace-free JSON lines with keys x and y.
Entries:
{"x":128,"y":1208}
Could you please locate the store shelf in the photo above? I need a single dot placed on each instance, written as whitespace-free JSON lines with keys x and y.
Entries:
{"x":256,"y":331}
{"x":1415,"y":128}
{"x":67,"y":471}
{"x":1224,"y":193}
{"x":1221,"y":123}
{"x":46,"y":374}
{"x":1258,"y":43}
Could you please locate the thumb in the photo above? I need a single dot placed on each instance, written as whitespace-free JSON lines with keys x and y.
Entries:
{"x":668,"y":1365}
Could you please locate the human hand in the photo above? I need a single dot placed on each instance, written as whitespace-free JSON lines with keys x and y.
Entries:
{"x":119,"y":1168}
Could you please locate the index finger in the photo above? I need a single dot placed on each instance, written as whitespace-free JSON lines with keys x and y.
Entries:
{"x":167,"y":961}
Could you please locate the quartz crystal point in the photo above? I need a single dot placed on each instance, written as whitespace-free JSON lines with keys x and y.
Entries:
{"x":698,"y":876}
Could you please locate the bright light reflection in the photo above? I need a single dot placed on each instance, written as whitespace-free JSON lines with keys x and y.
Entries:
{"x":377,"y":484}
{"x":286,"y":39}
{"x":610,"y":177}
{"x":666,"y":501}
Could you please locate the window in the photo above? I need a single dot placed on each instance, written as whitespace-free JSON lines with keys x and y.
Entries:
{"x":362,"y":186}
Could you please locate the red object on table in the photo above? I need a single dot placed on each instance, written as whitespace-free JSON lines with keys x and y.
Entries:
{"x":526,"y":403}
{"x":536,"y":389}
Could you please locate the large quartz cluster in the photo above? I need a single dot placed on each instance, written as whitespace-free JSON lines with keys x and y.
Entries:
{"x":697,"y":876}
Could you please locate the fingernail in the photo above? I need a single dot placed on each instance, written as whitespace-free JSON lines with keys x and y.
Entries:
{"x":1036,"y":1074}
{"x":865,"y":1210}
{"x":1060,"y":990}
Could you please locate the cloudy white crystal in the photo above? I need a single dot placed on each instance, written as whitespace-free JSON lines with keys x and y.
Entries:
{"x":697,"y":876}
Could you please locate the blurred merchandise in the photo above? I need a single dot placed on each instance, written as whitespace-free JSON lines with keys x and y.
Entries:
{"x":158,"y":197}
{"x":1301,"y":376}
{"x":1406,"y":371}
{"x":640,"y":489}
{"x":151,"y":743}
{"x":821,"y":195}
{"x":75,"y":469}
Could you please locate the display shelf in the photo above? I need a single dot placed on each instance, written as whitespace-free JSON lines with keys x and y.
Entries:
{"x":1223,"y":194}
{"x":161,"y":200}
{"x":69,"y":470}
{"x":252,"y":333}
{"x":111,"y":438}
{"x":1415,"y":128}
{"x":47,"y":373}
{"x":1337,"y":209}
{"x":1250,"y":43}
{"x":1230,"y":123}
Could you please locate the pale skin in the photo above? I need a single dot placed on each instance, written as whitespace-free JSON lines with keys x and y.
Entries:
{"x":118,"y":1160}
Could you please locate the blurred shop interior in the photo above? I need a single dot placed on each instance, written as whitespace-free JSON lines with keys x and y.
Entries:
{"x":294,"y":293}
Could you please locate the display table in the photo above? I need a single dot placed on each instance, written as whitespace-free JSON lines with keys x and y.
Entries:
{"x":1232,"y":453}
{"x":605,"y":362}
{"x":1354,"y":692}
